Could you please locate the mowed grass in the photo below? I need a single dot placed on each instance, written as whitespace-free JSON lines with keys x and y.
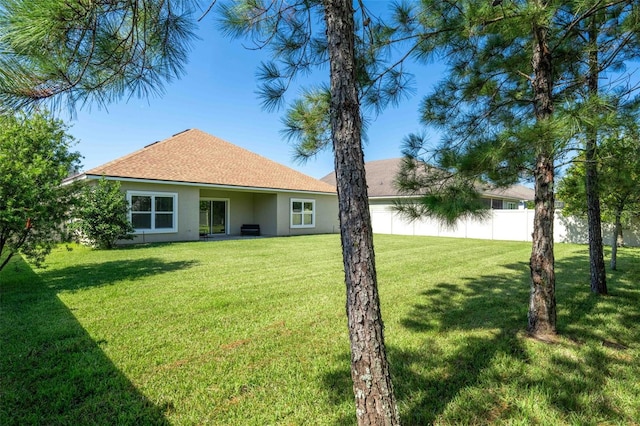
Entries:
{"x":253,"y":332}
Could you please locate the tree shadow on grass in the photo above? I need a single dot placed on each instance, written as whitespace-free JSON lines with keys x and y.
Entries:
{"x":52,"y":371}
{"x":482,"y":318}
{"x":586,"y":316}
{"x":468,"y":327}
{"x":84,"y":276}
{"x":428,"y":378}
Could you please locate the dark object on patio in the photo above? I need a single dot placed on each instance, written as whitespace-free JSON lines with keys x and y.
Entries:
{"x":250,"y":229}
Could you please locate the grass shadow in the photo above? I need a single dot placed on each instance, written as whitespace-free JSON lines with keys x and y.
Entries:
{"x":483,"y":317}
{"x":80,"y":276}
{"x":586,"y":316}
{"x":428,"y":378}
{"x":52,"y":371}
{"x":475,"y":361}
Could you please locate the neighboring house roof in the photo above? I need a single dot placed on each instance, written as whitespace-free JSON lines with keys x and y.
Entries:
{"x":381,"y":175}
{"x":194,"y":156}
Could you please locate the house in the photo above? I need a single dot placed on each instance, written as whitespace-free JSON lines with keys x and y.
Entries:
{"x":195,"y":185}
{"x":381,"y":175}
{"x":510,"y":220}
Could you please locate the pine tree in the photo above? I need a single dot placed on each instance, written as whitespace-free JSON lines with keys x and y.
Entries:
{"x":506,"y":109}
{"x":618,"y":163}
{"x":608,"y":38}
{"x":331,"y":116}
{"x":77,"y":53}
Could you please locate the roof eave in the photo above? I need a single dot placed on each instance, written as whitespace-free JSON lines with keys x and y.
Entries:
{"x":208,"y":185}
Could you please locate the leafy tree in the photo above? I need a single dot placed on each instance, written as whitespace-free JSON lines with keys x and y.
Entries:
{"x":619,"y":171}
{"x":35,"y":157}
{"x":102,"y":215}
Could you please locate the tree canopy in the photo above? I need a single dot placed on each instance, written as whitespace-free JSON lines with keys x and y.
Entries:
{"x":35,"y":157}
{"x":618,"y":162}
{"x":510,"y":107}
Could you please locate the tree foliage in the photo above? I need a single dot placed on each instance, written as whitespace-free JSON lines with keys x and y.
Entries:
{"x":437,"y":193}
{"x":294,"y":32}
{"x":506,"y":108}
{"x":618,"y":161}
{"x":90,"y":52}
{"x":608,"y":39}
{"x":101,"y":216}
{"x":303,"y":36}
{"x":35,"y":157}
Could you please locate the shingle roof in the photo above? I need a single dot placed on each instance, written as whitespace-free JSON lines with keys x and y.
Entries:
{"x":381,"y":175}
{"x":197,"y":157}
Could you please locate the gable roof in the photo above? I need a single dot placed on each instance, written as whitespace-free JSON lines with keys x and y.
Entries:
{"x":381,"y":175}
{"x":194,"y":156}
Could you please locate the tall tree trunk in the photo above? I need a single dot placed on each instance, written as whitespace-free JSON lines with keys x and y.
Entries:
{"x":617,"y":235}
{"x":542,"y":302}
{"x":375,"y":400}
{"x":596,"y":252}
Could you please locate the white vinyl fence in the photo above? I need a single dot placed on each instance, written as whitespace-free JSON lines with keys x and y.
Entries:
{"x":511,"y":225}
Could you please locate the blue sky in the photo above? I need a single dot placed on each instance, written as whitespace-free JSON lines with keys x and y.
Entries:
{"x":217,"y":95}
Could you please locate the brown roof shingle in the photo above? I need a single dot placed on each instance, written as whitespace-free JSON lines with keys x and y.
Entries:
{"x":380,"y":177}
{"x":382,"y":173}
{"x":197,"y":157}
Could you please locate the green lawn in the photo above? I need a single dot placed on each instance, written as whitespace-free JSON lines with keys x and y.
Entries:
{"x":253,"y":332}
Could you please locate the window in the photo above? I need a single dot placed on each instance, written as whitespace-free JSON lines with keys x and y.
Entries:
{"x":510,"y":205}
{"x":153,"y":211}
{"x":303,"y":213}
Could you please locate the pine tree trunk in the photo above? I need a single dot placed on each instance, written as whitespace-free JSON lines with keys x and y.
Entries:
{"x":375,"y":401}
{"x":596,"y":252}
{"x":542,"y":302}
{"x":617,"y":235}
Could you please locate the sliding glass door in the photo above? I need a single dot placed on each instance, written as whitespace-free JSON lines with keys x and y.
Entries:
{"x":213,"y":217}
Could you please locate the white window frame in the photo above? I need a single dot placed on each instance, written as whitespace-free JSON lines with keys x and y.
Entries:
{"x":153,"y":196}
{"x":313,"y":212}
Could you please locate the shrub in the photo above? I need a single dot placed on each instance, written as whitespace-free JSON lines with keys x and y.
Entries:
{"x":102,"y":215}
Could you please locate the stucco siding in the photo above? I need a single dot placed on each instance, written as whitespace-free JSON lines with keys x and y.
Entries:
{"x":326,"y":214}
{"x":265,"y":212}
{"x":240,"y":207}
{"x":187,"y":211}
{"x":269,"y":210}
